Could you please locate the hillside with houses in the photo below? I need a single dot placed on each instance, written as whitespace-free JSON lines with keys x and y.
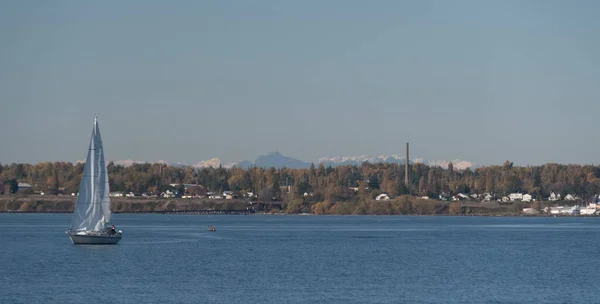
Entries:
{"x":537,"y":187}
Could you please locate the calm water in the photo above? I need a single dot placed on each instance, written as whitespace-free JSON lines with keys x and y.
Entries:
{"x":303,"y":259}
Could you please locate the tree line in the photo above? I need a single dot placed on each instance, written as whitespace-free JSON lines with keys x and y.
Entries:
{"x":318,"y":183}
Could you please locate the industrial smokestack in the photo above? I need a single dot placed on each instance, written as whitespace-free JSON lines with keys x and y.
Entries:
{"x":406,"y":181}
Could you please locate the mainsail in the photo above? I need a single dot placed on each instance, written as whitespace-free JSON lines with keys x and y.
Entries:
{"x":92,"y":211}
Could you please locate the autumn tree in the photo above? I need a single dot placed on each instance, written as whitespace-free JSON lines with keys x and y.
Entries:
{"x":422,"y":185}
{"x":294,"y":206}
{"x":11,"y":186}
{"x":325,"y":182}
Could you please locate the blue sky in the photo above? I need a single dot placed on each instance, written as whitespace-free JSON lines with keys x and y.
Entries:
{"x":483,"y":81}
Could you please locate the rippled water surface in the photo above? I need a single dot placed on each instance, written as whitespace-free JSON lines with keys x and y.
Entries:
{"x":303,"y":259}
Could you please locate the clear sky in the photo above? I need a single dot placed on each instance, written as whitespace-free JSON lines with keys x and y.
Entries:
{"x":483,"y":81}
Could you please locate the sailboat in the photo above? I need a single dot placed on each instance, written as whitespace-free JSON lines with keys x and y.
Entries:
{"x":91,"y":217}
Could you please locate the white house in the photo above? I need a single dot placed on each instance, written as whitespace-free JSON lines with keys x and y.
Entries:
{"x":570,"y":197}
{"x":463,"y":196}
{"x":116,"y":194}
{"x":554,"y":197}
{"x":382,"y":197}
{"x":168,"y":193}
{"x":515,"y":197}
{"x":24,"y":186}
{"x":527,"y":198}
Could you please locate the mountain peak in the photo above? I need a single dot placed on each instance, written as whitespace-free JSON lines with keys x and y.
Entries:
{"x":278,"y":160}
{"x":274,"y":153}
{"x":212,"y":163}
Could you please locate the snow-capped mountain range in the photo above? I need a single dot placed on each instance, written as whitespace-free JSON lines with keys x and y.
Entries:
{"x":129,"y":162}
{"x":361,"y":159}
{"x":277,"y":160}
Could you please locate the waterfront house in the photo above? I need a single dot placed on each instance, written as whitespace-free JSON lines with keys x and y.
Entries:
{"x":168,"y":194}
{"x":462,"y":196}
{"x":570,"y":197}
{"x":382,"y":197}
{"x":24,"y":187}
{"x":515,"y":197}
{"x":231,"y":195}
{"x":213,"y":195}
{"x":554,"y":197}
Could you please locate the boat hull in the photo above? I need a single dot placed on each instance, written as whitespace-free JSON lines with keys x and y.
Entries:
{"x":98,"y":239}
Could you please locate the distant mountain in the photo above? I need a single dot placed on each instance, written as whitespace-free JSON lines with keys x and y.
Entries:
{"x":457,"y":164}
{"x":213,"y":163}
{"x":178,"y":165}
{"x":126,"y":162}
{"x":358,"y":160}
{"x":129,"y":162}
{"x":394,"y":158}
{"x":273,"y":159}
{"x":277,"y":160}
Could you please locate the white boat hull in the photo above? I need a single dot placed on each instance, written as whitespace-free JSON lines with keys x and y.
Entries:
{"x":94,"y":238}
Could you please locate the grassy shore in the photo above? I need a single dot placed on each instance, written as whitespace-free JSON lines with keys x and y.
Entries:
{"x":66,"y":204}
{"x":404,"y":205}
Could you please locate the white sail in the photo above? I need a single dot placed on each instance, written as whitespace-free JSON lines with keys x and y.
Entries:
{"x":92,"y":211}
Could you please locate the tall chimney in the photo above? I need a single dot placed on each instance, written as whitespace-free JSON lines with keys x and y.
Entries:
{"x":406,"y":181}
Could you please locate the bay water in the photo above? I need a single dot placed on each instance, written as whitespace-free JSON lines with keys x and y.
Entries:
{"x":303,"y":259}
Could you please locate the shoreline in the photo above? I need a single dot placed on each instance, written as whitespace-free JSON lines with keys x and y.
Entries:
{"x":299,"y":214}
{"x":200,"y":206}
